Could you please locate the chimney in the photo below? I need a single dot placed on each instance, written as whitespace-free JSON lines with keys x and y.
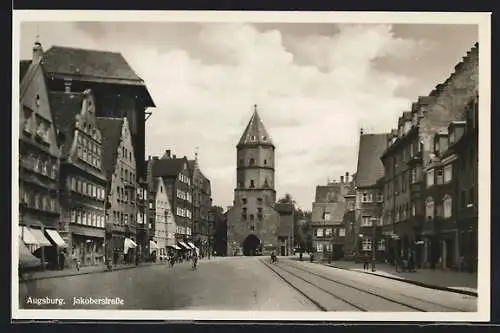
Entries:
{"x":347,"y":177}
{"x":167,"y":152}
{"x":342,"y":179}
{"x":361,"y":131}
{"x":37,"y":51}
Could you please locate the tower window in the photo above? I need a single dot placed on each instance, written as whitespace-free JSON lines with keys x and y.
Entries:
{"x":259,"y":200}
{"x":264,"y":138}
{"x":252,"y":138}
{"x":252,"y":161}
{"x":251,"y":217}
{"x":265,"y":162}
{"x":37,"y":102}
{"x":252,"y":185}
{"x":244,"y":201}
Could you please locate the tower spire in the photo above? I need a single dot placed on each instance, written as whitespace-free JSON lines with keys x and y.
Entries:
{"x":255,"y":132}
{"x":196,"y":149}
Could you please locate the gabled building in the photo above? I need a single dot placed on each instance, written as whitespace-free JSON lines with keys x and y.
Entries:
{"x":369,"y":196}
{"x":39,"y":154}
{"x":412,"y":144}
{"x":118,"y":91}
{"x":119,"y":165}
{"x":202,"y":202}
{"x":82,"y":177}
{"x":164,"y":222}
{"x":177,"y":179}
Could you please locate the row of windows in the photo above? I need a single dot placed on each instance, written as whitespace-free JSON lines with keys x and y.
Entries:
{"x":367,"y":197}
{"x":126,"y":175}
{"x":185,"y":179}
{"x":251,"y":161}
{"x":183,"y":212}
{"x":407,"y":153}
{"x":89,"y":218}
{"x":251,"y":217}
{"x":38,"y":201}
{"x":252,"y":183}
{"x":125,"y":195}
{"x":435,"y":177}
{"x":366,"y":244}
{"x":85,"y":188}
{"x":245,"y":201}
{"x":368,"y":221}
{"x":39,"y":165}
{"x":122,"y":218}
{"x":126,"y":154}
{"x":183,"y":230}
{"x":446,"y":210}
{"x":184,"y":195}
{"x":37,"y":125}
{"x":328,"y":232}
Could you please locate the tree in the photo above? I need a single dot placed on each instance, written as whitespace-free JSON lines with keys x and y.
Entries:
{"x":287,"y":199}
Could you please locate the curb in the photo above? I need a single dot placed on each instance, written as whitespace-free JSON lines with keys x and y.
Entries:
{"x":417,"y":283}
{"x":83,"y":273}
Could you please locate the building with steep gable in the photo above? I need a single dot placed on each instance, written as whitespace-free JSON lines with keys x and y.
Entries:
{"x":253,"y":222}
{"x":119,"y":164}
{"x":82,"y":178}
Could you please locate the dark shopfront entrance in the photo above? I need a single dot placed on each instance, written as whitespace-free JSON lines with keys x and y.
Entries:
{"x":251,"y":246}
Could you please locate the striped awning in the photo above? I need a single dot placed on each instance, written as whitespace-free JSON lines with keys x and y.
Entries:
{"x":26,"y":236}
{"x":185,"y":245}
{"x":26,"y":258}
{"x":175,"y":247}
{"x":39,"y":237}
{"x":191,"y":245}
{"x":54,"y":235}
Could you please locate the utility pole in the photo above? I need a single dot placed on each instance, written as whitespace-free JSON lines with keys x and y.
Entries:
{"x":374,"y":244}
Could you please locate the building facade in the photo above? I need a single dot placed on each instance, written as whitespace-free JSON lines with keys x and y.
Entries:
{"x":349,"y":220}
{"x":252,"y":221}
{"x":39,"y":152}
{"x":410,"y":145}
{"x":202,"y":202}
{"x":119,"y":163}
{"x":177,"y":179}
{"x":82,"y":179}
{"x":164,"y":223}
{"x":117,"y":89}
{"x":220,"y":230}
{"x":369,"y":196}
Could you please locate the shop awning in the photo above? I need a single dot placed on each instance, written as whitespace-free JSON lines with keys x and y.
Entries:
{"x":40,"y":238}
{"x":26,"y":235}
{"x":130,"y":243}
{"x":54,"y":235}
{"x":175,"y":247}
{"x":153,"y":245}
{"x":185,"y":245}
{"x":191,"y":245}
{"x":26,"y":258}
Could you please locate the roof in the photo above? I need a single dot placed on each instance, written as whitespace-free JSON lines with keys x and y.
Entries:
{"x":23,"y":68}
{"x":65,"y":107}
{"x":93,"y":63}
{"x":370,"y":167}
{"x":255,"y":132}
{"x":284,"y":208}
{"x":336,"y":210}
{"x":111,"y":131}
{"x":168,"y":167}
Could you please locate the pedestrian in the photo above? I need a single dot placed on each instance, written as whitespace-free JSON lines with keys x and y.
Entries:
{"x":365,"y":262}
{"x":62,"y":258}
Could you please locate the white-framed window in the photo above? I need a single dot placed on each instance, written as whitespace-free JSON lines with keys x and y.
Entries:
{"x":328,"y":232}
{"x":341,"y":232}
{"x":439,"y":177}
{"x":448,"y":173}
{"x":381,"y":245}
{"x":366,"y":221}
{"x":429,"y":207}
{"x":366,"y":244}
{"x":380,"y":197}
{"x":447,"y":206}
{"x":179,"y":211}
{"x":413,"y":209}
{"x":366,"y":197}
{"x":319,"y":247}
{"x":430,"y":178}
{"x":73,"y":216}
{"x":319,"y":232}
{"x":413,"y":175}
{"x":326,"y":216}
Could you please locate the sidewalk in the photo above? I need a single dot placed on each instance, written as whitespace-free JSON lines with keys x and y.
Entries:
{"x":459,"y":282}
{"x":50,"y":274}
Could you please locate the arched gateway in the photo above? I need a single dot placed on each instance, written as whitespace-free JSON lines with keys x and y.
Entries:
{"x":252,"y":246}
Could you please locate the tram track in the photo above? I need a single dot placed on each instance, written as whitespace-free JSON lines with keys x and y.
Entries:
{"x":332,"y":295}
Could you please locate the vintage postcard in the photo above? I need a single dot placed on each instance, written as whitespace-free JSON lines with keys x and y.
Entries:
{"x":251,"y":166}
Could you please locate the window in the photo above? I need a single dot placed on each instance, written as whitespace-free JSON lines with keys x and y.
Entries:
{"x":326,"y":216}
{"x":259,"y":201}
{"x":380,"y":197}
{"x":448,"y":173}
{"x":251,"y":217}
{"x":252,"y":185}
{"x":447,"y":206}
{"x":413,"y":176}
{"x":366,"y":197}
{"x":328,"y":232}
{"x":366,"y":244}
{"x":439,"y":177}
{"x":366,"y":221}
{"x":252,"y":161}
{"x":413,"y":209}
{"x":430,"y":178}
{"x":125,"y":218}
{"x":381,"y":245}
{"x":319,"y":232}
{"x":319,"y":247}
{"x":253,"y":138}
{"x":429,"y":208}
{"x":265,"y":162}
{"x":341,"y":232}
{"x":244,"y":216}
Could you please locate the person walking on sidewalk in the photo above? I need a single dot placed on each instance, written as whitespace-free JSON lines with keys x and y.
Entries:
{"x":365,"y":262}
{"x":62,"y":258}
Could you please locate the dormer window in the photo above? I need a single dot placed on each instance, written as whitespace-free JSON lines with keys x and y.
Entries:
{"x":264,"y":138}
{"x":37,"y":101}
{"x":253,"y":138}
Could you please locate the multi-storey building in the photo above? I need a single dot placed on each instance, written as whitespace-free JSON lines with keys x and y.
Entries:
{"x":177,"y":179}
{"x":39,"y":153}
{"x":369,"y":196}
{"x":349,"y":220}
{"x":118,"y":91}
{"x":202,"y":202}
{"x":119,"y":164}
{"x":411,"y":144}
{"x":164,"y":223}
{"x":83,"y":179}
{"x":253,"y":222}
{"x":327,"y":219}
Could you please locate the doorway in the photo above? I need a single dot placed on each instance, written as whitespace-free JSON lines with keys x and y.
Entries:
{"x":251,"y":245}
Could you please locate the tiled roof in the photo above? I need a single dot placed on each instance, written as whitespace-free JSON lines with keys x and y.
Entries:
{"x":370,"y":167}
{"x":336,"y":210}
{"x":23,"y":68}
{"x":89,"y":63}
{"x":255,"y":132}
{"x":111,"y":131}
{"x":284,"y":208}
{"x":65,"y":107}
{"x":168,"y":167}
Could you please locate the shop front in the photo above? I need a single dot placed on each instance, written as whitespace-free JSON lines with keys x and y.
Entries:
{"x":87,"y":246}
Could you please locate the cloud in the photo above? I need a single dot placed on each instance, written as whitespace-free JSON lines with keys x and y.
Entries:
{"x":205,"y":87}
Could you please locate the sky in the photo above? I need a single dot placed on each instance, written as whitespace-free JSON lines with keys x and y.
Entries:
{"x":316,"y":85}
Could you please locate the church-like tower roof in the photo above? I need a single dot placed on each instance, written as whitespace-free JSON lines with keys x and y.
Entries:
{"x":255,"y":132}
